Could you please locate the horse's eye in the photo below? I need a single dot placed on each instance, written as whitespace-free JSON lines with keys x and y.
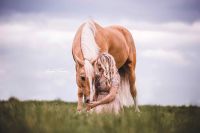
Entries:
{"x":83,"y":78}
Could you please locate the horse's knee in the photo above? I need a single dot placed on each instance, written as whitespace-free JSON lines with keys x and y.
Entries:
{"x":133,"y":91}
{"x":80,"y":94}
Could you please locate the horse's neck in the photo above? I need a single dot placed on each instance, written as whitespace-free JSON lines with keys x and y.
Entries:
{"x":101,"y":38}
{"x":89,"y":46}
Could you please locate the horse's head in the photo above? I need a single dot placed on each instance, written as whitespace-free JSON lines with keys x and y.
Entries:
{"x":84,"y":78}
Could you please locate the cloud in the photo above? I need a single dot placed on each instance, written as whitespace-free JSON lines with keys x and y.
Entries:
{"x":155,"y":11}
{"x":36,"y":61}
{"x":165,"y":55}
{"x":168,"y":35}
{"x":36,"y":34}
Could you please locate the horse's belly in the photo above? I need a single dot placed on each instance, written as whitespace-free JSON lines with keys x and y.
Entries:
{"x":120,"y":58}
{"x":120,"y":51}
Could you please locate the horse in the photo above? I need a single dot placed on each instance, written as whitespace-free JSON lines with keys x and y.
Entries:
{"x":91,"y":40}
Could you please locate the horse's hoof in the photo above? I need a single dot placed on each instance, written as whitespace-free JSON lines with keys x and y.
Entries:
{"x":137,"y":110}
{"x":79,"y":111}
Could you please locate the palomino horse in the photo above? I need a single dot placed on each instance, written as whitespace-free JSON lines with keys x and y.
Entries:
{"x":92,"y":39}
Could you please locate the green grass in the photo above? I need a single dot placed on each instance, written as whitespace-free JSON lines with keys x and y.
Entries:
{"x":58,"y":116}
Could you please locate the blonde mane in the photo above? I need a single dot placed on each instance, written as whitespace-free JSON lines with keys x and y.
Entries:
{"x":88,"y":44}
{"x":90,"y":51}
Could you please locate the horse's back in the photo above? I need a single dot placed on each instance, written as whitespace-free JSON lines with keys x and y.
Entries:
{"x":120,"y":45}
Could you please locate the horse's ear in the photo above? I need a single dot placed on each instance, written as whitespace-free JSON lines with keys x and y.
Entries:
{"x":79,"y":61}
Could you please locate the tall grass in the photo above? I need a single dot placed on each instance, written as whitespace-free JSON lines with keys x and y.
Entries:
{"x":58,"y":116}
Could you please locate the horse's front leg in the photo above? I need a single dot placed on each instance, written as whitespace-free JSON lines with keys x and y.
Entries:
{"x":80,"y":100}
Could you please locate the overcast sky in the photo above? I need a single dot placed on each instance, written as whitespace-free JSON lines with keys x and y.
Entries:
{"x":36,"y":39}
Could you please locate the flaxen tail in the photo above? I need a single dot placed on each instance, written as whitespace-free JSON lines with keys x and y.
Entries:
{"x":125,"y":96}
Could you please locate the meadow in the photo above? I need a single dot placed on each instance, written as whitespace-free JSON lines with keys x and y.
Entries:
{"x":58,"y":116}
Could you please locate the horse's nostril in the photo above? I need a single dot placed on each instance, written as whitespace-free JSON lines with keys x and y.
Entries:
{"x":87,"y":101}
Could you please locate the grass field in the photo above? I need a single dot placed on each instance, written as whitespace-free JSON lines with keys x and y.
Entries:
{"x":58,"y":116}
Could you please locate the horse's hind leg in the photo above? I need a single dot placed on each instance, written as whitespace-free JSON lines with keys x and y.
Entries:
{"x":132,"y":81}
{"x":131,"y":61}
